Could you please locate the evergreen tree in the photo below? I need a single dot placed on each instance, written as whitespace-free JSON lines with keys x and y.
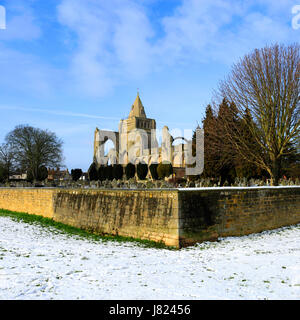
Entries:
{"x":101,"y":173}
{"x":42,"y":173}
{"x":93,"y":172}
{"x":245,"y":168}
{"x":164,"y":170}
{"x":142,"y":171}
{"x":130,"y":170}
{"x":218,"y":154}
{"x":118,"y":171}
{"x":153,"y":170}
{"x":76,"y":174}
{"x":109,"y":172}
{"x":221,"y":158}
{"x":210,"y":159}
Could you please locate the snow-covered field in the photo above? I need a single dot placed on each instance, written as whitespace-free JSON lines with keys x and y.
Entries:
{"x":43,"y":263}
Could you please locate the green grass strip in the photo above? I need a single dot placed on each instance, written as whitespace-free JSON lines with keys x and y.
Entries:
{"x":47,"y":222}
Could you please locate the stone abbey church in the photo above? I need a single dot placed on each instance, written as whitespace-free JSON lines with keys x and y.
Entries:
{"x":136,"y":141}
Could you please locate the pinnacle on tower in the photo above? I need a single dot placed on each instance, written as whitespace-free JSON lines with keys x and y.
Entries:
{"x":137,"y":109}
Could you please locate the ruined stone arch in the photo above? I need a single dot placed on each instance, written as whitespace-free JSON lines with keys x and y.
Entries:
{"x":101,"y":138}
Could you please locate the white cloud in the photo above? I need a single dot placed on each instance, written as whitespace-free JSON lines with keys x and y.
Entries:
{"x":113,"y":42}
{"x":57,"y":112}
{"x":20,"y":23}
{"x":116,"y":40}
{"x":88,"y":65}
{"x":223,"y":30}
{"x":131,"y":40}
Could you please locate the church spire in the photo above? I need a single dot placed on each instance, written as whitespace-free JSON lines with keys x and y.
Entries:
{"x":137,"y":109}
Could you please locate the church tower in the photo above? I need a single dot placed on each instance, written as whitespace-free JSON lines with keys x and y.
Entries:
{"x":137,"y":118}
{"x":136,"y":130}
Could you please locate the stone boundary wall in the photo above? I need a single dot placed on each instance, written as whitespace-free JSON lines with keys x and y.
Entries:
{"x":211,"y":213}
{"x":28,"y":200}
{"x":151,"y":215}
{"x":178,"y":217}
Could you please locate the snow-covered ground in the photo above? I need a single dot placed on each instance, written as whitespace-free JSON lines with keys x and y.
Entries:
{"x":43,"y":263}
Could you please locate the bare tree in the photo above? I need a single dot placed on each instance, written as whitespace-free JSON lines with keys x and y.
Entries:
{"x":266,"y":85}
{"x":34,"y":148}
{"x":6,"y":159}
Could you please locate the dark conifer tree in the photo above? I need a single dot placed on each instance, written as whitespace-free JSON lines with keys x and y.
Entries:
{"x":118,"y":171}
{"x":101,"y":173}
{"x":130,"y":170}
{"x":76,"y":174}
{"x":109,"y":172}
{"x":93,"y":172}
{"x":164,"y":170}
{"x":153,"y":171}
{"x":210,"y":164}
{"x":142,"y":170}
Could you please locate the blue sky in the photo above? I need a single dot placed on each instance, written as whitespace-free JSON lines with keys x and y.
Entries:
{"x":73,"y":65}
